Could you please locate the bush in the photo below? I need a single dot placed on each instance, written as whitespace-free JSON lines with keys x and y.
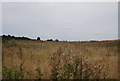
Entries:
{"x":75,"y":67}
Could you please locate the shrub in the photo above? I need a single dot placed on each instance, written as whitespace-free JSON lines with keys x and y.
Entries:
{"x":75,"y":66}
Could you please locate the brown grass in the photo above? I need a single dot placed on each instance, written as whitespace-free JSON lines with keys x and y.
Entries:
{"x":37,"y":54}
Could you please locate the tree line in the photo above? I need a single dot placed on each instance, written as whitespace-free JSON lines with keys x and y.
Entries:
{"x":7,"y":37}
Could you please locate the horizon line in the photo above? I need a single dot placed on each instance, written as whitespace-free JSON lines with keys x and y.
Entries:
{"x":59,"y":39}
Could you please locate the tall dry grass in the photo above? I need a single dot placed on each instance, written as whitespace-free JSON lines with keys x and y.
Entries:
{"x":27,"y":55}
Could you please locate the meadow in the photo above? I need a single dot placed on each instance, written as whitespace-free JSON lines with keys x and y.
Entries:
{"x":35,"y":59}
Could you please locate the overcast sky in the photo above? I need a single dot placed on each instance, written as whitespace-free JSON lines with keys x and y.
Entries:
{"x":61,"y":20}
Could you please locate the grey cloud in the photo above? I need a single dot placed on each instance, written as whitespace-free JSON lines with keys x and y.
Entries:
{"x":62,"y":20}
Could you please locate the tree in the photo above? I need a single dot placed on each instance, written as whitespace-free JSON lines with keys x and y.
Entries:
{"x":9,"y":36}
{"x":49,"y":40}
{"x":38,"y":38}
{"x":56,"y":40}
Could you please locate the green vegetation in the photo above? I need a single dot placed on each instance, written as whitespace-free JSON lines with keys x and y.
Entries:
{"x":12,"y":74}
{"x":39,"y":77}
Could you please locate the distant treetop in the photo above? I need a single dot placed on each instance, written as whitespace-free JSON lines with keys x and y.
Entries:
{"x":6,"y":37}
{"x":49,"y":39}
{"x":38,"y":38}
{"x":56,"y":40}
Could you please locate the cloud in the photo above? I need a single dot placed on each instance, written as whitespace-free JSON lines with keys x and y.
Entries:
{"x":66,"y":21}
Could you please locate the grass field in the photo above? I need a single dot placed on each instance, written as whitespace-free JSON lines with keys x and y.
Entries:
{"x":28,"y":55}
